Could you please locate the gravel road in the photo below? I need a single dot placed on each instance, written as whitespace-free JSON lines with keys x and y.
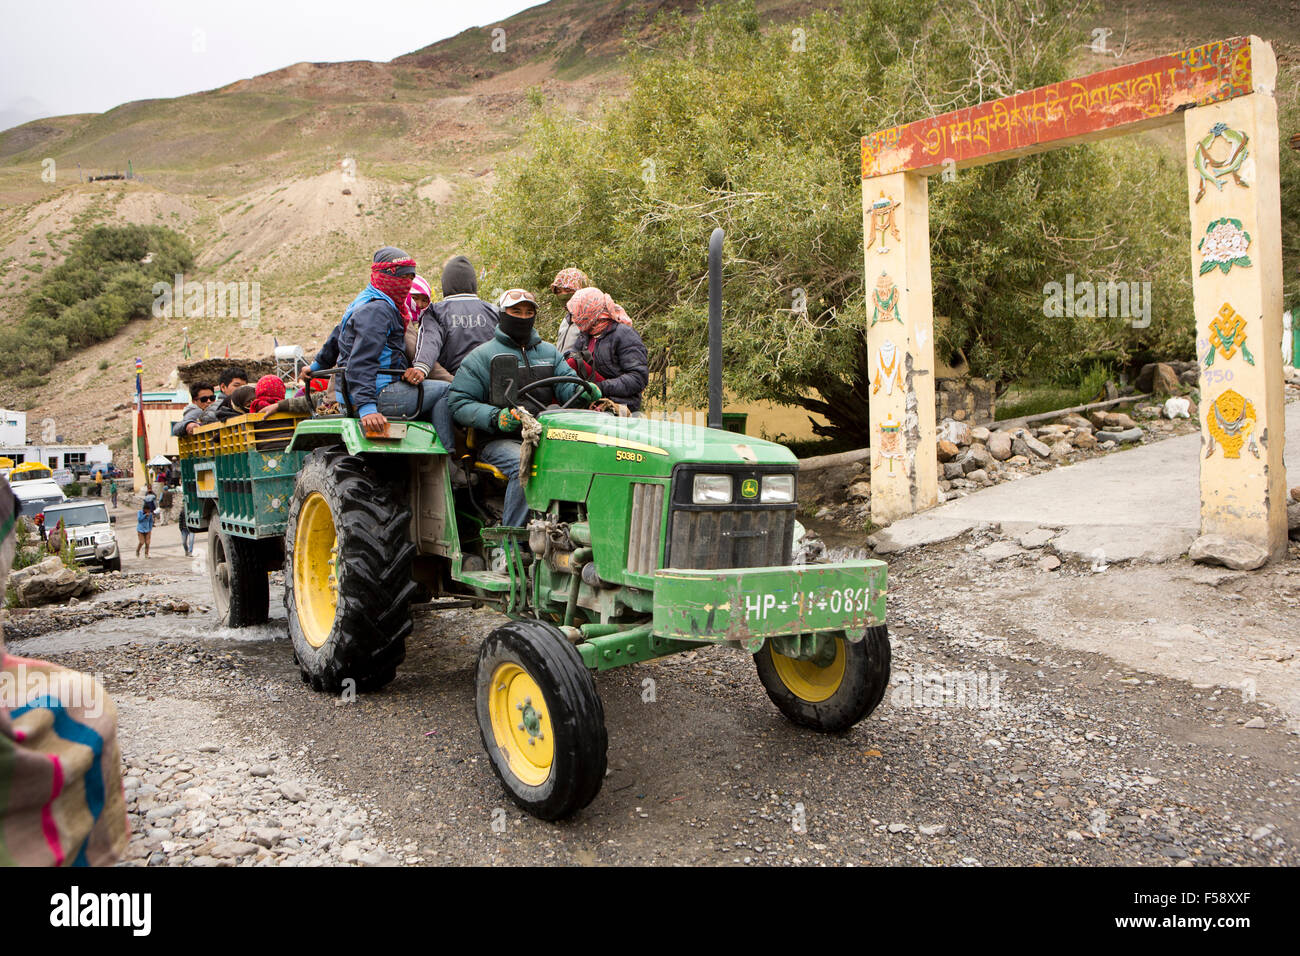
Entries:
{"x":997,"y":745}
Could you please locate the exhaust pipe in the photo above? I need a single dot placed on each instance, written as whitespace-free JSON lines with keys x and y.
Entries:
{"x":715,"y":328}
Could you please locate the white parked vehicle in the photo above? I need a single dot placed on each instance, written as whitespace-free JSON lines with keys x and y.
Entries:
{"x":90,"y":529}
{"x":36,"y":494}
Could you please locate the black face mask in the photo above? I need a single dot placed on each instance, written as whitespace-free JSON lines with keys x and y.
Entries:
{"x":519,"y":329}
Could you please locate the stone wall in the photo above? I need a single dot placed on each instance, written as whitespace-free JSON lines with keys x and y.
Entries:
{"x":970,"y":400}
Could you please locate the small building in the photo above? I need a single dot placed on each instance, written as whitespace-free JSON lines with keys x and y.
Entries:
{"x":60,"y":457}
{"x":13,"y":428}
{"x":162,"y":410}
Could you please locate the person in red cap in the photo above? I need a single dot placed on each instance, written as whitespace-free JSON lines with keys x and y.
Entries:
{"x":270,"y":390}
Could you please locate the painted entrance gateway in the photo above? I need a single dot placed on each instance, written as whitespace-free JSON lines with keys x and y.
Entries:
{"x":1222,"y":93}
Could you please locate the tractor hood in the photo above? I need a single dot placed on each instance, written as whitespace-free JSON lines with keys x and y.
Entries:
{"x":656,"y":446}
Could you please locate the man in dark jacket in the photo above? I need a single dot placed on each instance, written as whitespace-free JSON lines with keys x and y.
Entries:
{"x":203,"y":397}
{"x":371,"y":338}
{"x":449,"y":330}
{"x":470,"y":394}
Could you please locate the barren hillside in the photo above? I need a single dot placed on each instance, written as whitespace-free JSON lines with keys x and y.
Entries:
{"x":290,"y":179}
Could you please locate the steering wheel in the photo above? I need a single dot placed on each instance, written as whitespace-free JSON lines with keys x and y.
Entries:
{"x":523,"y":392}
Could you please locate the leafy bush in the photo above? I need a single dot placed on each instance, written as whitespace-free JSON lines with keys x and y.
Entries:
{"x":73,"y":489}
{"x":101,"y":285}
{"x":725,"y":125}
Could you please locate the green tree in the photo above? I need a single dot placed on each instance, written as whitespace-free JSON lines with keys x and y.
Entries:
{"x":757,"y":130}
{"x":105,"y":281}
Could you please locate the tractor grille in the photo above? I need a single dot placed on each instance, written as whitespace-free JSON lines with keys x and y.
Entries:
{"x":644,"y":535}
{"x":722,"y":537}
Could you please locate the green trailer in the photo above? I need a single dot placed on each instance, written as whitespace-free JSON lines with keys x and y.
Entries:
{"x":645,"y":538}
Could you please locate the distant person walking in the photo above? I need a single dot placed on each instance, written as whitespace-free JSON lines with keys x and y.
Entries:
{"x":143,"y":530}
{"x":187,"y":536}
{"x":112,"y":490}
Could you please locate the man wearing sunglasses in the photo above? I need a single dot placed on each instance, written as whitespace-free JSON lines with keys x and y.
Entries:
{"x":203,"y":395}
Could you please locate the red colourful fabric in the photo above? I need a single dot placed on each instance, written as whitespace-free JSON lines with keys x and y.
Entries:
{"x":569,"y":280}
{"x":397,"y":288}
{"x":593,"y":311}
{"x":269,"y":391}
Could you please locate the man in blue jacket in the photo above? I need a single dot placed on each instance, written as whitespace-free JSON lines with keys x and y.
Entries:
{"x":471,"y":391}
{"x":371,"y":337}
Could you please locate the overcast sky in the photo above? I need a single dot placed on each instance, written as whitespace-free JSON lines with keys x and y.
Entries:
{"x":87,"y":56}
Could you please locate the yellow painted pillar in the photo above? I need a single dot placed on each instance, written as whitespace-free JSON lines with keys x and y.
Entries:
{"x":1233,"y":195}
{"x":900,"y":342}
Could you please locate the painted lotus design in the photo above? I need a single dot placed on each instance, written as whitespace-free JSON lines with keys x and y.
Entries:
{"x":1224,"y":246}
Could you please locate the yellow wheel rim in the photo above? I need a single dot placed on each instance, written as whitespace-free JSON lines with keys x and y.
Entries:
{"x":805,"y":679}
{"x":315,"y":581}
{"x":521,"y":724}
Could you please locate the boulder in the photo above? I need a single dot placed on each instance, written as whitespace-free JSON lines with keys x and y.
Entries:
{"x":1098,"y":417}
{"x":1147,"y":411}
{"x":1084,"y":439}
{"x":975,"y":457}
{"x":1230,"y":552}
{"x":1177,"y":408}
{"x":1017,"y":461}
{"x":1293,"y":520}
{"x":947,"y":450}
{"x":1295,"y":493}
{"x":1120,"y":437}
{"x":979,"y":476}
{"x":1116,"y":420}
{"x":1076,"y":421}
{"x":952,"y":469}
{"x":1061,"y":450}
{"x":860,"y":489}
{"x":999,"y":445}
{"x":979,"y":434}
{"x":1190,"y":377}
{"x":1164,"y":381}
{"x":954,"y":431}
{"x":49,"y":582}
{"x":1028,"y":445}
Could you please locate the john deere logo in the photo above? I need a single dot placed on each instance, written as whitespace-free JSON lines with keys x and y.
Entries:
{"x":749,"y":488}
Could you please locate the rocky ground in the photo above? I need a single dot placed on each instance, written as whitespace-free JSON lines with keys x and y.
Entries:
{"x":976,"y":456}
{"x":1036,"y":717}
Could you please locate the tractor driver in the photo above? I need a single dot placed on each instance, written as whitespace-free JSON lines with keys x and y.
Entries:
{"x":471,"y":390}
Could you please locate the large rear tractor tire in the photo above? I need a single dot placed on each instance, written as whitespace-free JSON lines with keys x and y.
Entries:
{"x":347,"y":574}
{"x":237,"y":572}
{"x":832,"y":698}
{"x":540,"y":718}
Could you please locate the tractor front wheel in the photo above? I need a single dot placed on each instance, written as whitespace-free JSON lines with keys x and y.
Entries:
{"x":831,"y":697}
{"x":540,"y":718}
{"x":237,"y":573}
{"x":347,"y":574}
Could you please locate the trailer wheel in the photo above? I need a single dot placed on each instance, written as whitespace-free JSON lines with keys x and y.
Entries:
{"x":237,"y":572}
{"x":831,"y":698}
{"x":347,"y":574}
{"x":540,"y":719}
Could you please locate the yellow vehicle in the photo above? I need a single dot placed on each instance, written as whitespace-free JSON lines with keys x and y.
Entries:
{"x":29,"y":471}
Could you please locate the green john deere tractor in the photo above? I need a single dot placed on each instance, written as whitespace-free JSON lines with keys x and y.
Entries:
{"x":646,"y":538}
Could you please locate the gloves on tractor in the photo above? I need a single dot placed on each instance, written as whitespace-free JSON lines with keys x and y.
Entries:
{"x":508,"y":420}
{"x":583,"y":363}
{"x":592,"y":391}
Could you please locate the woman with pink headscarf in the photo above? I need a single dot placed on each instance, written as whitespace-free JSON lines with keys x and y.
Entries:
{"x":608,"y":351}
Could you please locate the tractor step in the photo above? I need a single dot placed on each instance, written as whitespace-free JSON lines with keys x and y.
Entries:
{"x":487,"y":580}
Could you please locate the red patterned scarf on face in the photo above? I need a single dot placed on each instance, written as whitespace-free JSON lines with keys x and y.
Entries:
{"x":395,"y":287}
{"x":594,"y":312}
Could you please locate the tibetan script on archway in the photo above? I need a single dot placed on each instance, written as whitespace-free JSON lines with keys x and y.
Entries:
{"x":1120,"y":100}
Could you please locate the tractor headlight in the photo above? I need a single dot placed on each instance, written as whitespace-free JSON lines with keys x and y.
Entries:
{"x":778,"y":488}
{"x":712,"y":490}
